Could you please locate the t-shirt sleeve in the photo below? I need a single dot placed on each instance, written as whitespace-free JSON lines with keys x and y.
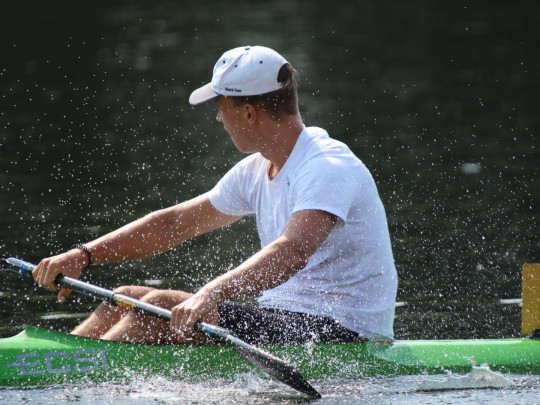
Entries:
{"x":328,"y":184}
{"x":229,"y":194}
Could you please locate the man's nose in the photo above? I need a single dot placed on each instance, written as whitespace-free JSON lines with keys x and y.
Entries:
{"x":219,"y":118}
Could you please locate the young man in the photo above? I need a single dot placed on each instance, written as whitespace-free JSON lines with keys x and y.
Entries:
{"x":325,"y":269}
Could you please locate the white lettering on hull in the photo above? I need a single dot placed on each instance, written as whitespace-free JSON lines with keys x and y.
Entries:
{"x":61,"y":362}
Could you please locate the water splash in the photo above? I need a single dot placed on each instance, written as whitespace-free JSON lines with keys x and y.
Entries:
{"x":479,"y":377}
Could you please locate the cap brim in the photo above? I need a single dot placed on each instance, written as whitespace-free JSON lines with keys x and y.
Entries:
{"x":202,"y":95}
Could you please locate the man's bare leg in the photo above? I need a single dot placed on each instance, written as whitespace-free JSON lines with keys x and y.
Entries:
{"x":106,"y":316}
{"x":140,"y":328}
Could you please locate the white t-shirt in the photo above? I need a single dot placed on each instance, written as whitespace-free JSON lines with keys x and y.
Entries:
{"x":351,"y":277}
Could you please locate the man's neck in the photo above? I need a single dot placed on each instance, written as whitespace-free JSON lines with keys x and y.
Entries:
{"x":281,"y":138}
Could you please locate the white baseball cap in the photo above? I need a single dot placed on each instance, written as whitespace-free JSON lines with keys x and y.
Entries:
{"x":243,"y":71}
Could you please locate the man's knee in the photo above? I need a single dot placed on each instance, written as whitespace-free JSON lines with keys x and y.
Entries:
{"x":133,"y":291}
{"x":165,"y":298}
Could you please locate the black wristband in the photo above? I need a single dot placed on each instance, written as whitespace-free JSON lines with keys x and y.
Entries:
{"x":86,"y":250}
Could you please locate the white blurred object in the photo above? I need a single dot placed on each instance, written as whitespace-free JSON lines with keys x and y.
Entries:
{"x":470,"y":168}
{"x":479,"y":377}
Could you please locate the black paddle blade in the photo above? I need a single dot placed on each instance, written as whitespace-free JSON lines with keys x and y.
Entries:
{"x":15,"y":265}
{"x":275,"y":367}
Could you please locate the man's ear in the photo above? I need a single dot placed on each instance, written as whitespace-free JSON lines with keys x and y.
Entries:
{"x":251,"y":114}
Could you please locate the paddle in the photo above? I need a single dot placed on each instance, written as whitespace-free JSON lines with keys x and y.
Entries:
{"x":274,"y":366}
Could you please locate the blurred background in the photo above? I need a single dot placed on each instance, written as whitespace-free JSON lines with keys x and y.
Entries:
{"x":438,"y":99}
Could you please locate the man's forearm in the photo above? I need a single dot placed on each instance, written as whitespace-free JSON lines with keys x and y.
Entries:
{"x":278,"y":261}
{"x":268,"y":268}
{"x":159,"y":231}
{"x":147,"y":236}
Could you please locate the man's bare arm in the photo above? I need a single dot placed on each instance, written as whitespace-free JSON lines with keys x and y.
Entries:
{"x":155,"y":233}
{"x":271,"y":266}
{"x":159,"y":231}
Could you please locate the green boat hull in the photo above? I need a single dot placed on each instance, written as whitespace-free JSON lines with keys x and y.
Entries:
{"x":38,"y":357}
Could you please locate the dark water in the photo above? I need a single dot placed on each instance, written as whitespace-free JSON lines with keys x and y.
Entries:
{"x":439,"y":99}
